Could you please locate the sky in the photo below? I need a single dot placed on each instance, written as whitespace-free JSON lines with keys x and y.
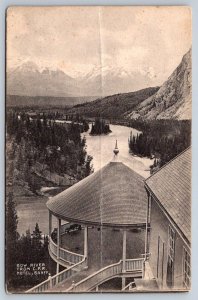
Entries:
{"x":149,"y":40}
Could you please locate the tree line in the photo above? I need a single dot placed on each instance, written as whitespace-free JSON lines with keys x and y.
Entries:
{"x":160,"y":139}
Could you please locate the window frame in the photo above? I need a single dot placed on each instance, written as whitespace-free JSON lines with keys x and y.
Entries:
{"x":171,"y":255}
{"x":171,"y":243}
{"x":186,"y":268}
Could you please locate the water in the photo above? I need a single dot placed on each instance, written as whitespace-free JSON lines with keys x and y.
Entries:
{"x":32,"y":210}
{"x":101,"y":148}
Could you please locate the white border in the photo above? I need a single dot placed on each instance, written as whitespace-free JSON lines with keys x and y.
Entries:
{"x":193,"y":295}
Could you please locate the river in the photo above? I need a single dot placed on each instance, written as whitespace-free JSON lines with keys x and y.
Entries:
{"x":32,"y":210}
{"x":100,"y":147}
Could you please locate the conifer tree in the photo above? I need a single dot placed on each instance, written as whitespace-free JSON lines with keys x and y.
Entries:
{"x":11,"y":239}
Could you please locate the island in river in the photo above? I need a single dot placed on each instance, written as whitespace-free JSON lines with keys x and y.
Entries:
{"x":100,"y":127}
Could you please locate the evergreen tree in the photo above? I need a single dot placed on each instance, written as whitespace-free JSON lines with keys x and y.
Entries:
{"x":37,"y":236}
{"x":100,"y":127}
{"x":47,"y":143}
{"x":161,"y":138}
{"x":36,"y":244}
{"x":11,"y":240}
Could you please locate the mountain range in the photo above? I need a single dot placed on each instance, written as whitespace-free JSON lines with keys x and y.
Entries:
{"x":29,"y":80}
{"x":170,"y":101}
{"x":28,"y":84}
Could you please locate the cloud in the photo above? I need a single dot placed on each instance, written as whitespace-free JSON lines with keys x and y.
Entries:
{"x":77,"y":38}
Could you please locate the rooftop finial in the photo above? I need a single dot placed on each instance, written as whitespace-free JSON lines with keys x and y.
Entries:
{"x":116,"y":150}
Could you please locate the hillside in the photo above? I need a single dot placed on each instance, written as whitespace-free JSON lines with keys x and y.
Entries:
{"x":173,"y":99}
{"x":113,"y":106}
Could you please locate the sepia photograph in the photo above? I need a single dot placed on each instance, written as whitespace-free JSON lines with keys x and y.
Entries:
{"x":98,"y":149}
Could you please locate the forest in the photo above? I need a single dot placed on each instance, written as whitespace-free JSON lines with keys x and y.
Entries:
{"x":57,"y":147}
{"x":160,"y":139}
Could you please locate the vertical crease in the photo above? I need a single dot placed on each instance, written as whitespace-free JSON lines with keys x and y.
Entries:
{"x":101,"y":85}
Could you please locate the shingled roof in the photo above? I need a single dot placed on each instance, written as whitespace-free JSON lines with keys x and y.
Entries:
{"x":172,"y":187}
{"x":114,"y":195}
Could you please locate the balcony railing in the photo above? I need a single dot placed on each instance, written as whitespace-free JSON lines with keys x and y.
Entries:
{"x":93,"y":280}
{"x":58,"y":278}
{"x":64,"y":255}
{"x":87,"y":284}
{"x":134,"y":265}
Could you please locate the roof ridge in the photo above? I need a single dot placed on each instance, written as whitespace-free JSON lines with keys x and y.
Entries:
{"x":169,"y":162}
{"x":120,"y":162}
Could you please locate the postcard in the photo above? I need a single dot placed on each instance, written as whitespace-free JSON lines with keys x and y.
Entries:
{"x":98,"y":149}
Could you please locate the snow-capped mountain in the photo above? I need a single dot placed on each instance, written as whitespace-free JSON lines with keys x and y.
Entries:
{"x":30,"y":80}
{"x":104,"y":71}
{"x":109,"y":80}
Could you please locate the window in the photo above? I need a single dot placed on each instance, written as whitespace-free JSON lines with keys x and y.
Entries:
{"x":171,"y":242}
{"x":186,"y":269}
{"x":171,"y":256}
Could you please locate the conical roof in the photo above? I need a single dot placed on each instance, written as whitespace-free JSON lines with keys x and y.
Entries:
{"x":114,"y":195}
